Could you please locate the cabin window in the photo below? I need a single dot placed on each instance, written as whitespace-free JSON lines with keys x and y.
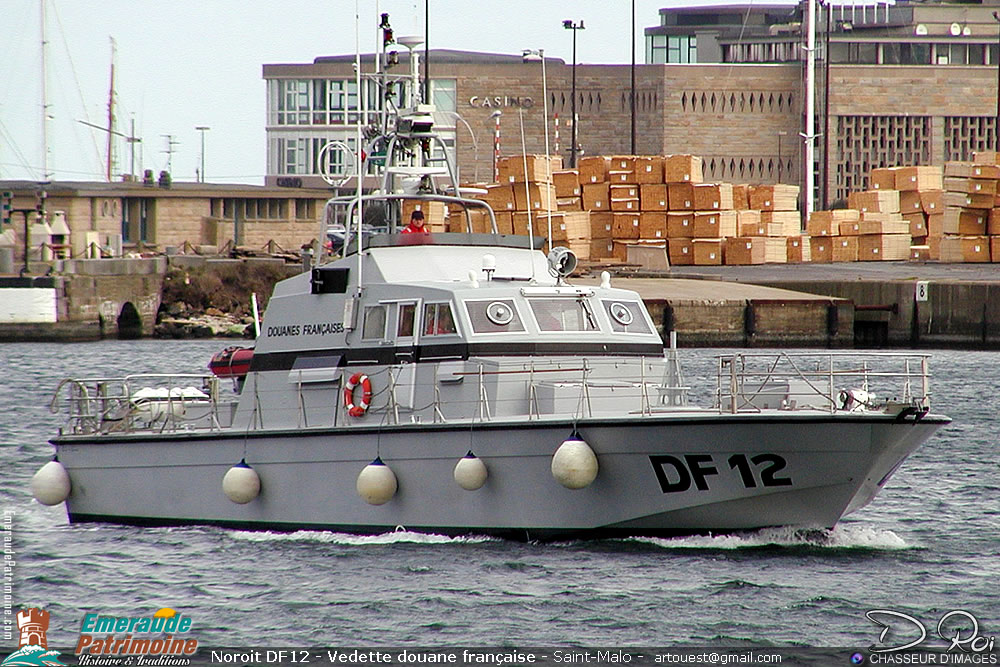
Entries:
{"x":626,"y":317}
{"x":563,"y":315}
{"x":374,"y":322}
{"x":494,"y":316}
{"x":438,"y":320}
{"x":407,"y":313}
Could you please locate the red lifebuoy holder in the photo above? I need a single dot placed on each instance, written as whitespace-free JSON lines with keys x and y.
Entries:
{"x":366,"y":394}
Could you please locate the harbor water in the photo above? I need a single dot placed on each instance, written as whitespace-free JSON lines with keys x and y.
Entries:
{"x":928,"y":545}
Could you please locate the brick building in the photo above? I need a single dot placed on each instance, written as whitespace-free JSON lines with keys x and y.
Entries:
{"x":909,"y":83}
{"x":90,"y":219}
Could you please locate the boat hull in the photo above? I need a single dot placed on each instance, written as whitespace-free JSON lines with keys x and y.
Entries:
{"x":657,"y":476}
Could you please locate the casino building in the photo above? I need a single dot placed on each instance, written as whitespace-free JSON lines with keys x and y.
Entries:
{"x":909,"y":83}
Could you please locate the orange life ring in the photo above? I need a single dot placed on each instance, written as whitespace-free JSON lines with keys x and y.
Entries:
{"x":366,"y":394}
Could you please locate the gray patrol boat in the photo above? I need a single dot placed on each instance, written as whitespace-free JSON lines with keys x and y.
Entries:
{"x":459,"y":383}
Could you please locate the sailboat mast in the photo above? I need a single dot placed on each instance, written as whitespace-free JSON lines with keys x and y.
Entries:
{"x":45,"y":93}
{"x":111,"y":114}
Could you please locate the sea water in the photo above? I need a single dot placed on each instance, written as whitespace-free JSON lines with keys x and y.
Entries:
{"x":926,"y":546}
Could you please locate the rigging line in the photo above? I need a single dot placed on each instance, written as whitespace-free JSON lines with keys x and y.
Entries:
{"x":15,"y":149}
{"x":76,"y":78}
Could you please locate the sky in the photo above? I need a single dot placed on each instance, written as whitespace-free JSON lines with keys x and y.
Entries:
{"x":181,"y":64}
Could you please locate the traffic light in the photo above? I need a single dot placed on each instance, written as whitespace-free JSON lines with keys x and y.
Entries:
{"x":6,"y":207}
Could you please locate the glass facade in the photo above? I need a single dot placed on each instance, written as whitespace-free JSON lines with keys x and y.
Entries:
{"x":671,"y":49}
{"x":314,"y":112}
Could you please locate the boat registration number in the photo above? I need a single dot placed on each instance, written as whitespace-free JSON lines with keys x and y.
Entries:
{"x":679,"y":473}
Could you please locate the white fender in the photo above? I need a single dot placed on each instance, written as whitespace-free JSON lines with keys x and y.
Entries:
{"x":51,"y":485}
{"x":574,"y":465}
{"x":241,"y":483}
{"x":376,"y":483}
{"x":470,"y":472}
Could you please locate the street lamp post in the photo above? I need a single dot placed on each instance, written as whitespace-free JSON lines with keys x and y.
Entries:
{"x":540,"y":55}
{"x":202,"y":129}
{"x":496,"y":143}
{"x":570,"y":25}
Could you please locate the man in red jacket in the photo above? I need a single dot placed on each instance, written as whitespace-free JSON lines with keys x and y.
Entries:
{"x":416,"y":225}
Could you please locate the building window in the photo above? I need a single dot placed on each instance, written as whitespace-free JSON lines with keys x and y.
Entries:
{"x":137,"y":220}
{"x":682,"y":49}
{"x":656,"y":50}
{"x":444,"y":95}
{"x":293,"y":101}
{"x":895,"y":53}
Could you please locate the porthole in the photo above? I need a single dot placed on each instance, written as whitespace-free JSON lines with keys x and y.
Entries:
{"x":499,"y":313}
{"x":621,"y":313}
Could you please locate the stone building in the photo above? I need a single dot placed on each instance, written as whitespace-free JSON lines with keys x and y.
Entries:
{"x":910,"y":83}
{"x":94,"y":219}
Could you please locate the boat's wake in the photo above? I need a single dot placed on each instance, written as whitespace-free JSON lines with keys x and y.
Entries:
{"x":398,"y":536}
{"x":840,"y":537}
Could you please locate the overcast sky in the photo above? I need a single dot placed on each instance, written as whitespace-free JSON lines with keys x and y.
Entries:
{"x":187,"y":63}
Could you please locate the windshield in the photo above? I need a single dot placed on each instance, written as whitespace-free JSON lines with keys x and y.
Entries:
{"x":563,"y":315}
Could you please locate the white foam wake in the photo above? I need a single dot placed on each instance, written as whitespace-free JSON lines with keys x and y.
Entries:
{"x":852,"y":536}
{"x":395,"y":537}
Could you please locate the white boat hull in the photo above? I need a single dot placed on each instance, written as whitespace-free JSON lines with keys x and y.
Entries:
{"x":657,"y":476}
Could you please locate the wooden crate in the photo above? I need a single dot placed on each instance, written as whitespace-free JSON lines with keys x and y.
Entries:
{"x":883,"y":178}
{"x":986,"y":157}
{"x":920,"y":253}
{"x":917,"y":223}
{"x":680,"y":225}
{"x":618,"y":177}
{"x":622,"y":163}
{"x":681,"y":251}
{"x":883,"y":223}
{"x":971,"y":170}
{"x":653,"y":197}
{"x":928,"y":177}
{"x":849,"y":228}
{"x":625,"y":205}
{"x":539,"y":168}
{"x":821,"y":248}
{"x":601,"y":225}
{"x":471,"y":220}
{"x":714,"y":224}
{"x":965,"y":221}
{"x":797,"y":249}
{"x":845,"y":249}
{"x":777,"y":197}
{"x":680,"y":196}
{"x":576,"y":224}
{"x":569,"y":203}
{"x":682,"y":169}
{"x":967,"y":200}
{"x":499,"y":196}
{"x":741,"y":250}
{"x":648,"y":169}
{"x":653,"y":225}
{"x":593,"y":169}
{"x":567,"y":182}
{"x":890,"y":247}
{"x":713,"y":197}
{"x":965,"y":249}
{"x":625,"y":225}
{"x":596,"y":197}
{"x":741,"y":197}
{"x":748,"y":223}
{"x":827,"y":223}
{"x":536,"y":196}
{"x":782,"y":223}
{"x":505,"y":222}
{"x":602,"y":248}
{"x":909,"y":202}
{"x":932,"y":201}
{"x":971,"y":185}
{"x":993,"y":225}
{"x":708,"y":252}
{"x":876,"y":201}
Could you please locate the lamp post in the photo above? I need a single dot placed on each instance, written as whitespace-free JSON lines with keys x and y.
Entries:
{"x":570,"y":25}
{"x":202,"y":129}
{"x":496,"y":143}
{"x":528,"y":56}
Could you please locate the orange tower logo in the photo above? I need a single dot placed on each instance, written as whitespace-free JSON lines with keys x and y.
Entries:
{"x":33,"y":624}
{"x":33,"y":647}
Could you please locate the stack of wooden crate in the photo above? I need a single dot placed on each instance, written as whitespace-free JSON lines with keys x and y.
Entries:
{"x":969,"y":201}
